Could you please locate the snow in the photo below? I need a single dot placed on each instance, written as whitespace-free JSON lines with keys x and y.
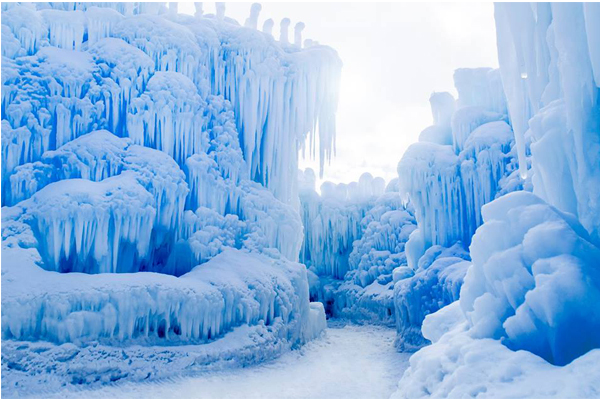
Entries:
{"x":459,"y":366}
{"x":304,"y":373}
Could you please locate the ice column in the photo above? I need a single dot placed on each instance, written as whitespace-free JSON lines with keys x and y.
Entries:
{"x":252,"y":20}
{"x":220,"y":10}
{"x":199,"y":10}
{"x":298,"y":34}
{"x":268,"y":26}
{"x":283,"y":35}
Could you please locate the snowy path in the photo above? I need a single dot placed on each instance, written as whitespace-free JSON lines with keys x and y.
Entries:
{"x":350,"y":362}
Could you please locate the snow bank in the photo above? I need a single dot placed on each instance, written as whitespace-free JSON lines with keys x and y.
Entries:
{"x":459,"y":366}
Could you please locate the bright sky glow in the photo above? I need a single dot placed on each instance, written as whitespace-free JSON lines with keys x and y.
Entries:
{"x":395,"y":55}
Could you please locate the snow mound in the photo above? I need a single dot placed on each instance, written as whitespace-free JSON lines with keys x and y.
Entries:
{"x":459,"y":366}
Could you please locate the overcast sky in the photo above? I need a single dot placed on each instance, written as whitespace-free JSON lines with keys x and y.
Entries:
{"x":395,"y":55}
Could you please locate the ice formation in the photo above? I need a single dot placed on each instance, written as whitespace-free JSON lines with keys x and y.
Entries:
{"x":149,"y":175}
{"x":533,"y":280}
{"x":354,"y":238}
{"x":459,"y":161}
{"x":435,"y":283}
{"x":534,"y":268}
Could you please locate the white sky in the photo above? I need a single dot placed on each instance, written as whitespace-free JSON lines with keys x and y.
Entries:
{"x":395,"y":55}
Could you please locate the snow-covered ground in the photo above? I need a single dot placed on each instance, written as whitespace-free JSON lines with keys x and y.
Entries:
{"x":349,"y":361}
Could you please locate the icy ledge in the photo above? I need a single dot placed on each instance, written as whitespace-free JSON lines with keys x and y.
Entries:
{"x":234,"y":288}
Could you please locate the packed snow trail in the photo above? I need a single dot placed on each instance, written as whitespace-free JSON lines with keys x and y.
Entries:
{"x":349,"y":361}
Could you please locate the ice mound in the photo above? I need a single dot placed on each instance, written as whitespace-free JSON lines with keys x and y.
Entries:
{"x":533,"y":269}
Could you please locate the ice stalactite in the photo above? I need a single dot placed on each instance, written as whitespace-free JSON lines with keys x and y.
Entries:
{"x":27,"y":25}
{"x":169,"y":116}
{"x":86,"y":226}
{"x":261,"y":104}
{"x":332,"y":221}
{"x":101,"y":155}
{"x":448,"y":184}
{"x":367,"y":225}
{"x":126,"y":72}
{"x":560,"y":68}
{"x":196,"y":308}
{"x":65,"y":28}
{"x":99,"y":23}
